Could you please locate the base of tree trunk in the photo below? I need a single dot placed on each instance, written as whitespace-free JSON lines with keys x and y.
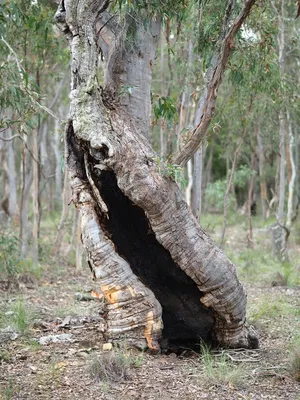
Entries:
{"x":186,"y":320}
{"x":279,"y":241}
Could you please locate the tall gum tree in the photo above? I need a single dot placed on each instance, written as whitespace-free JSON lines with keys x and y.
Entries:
{"x":161,"y":274}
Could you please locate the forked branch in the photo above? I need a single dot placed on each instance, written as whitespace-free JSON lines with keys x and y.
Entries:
{"x":213,"y":77}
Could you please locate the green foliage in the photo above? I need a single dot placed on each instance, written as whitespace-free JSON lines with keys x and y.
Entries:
{"x":164,"y":168}
{"x":29,"y":49}
{"x":257,"y":265}
{"x":218,"y":370}
{"x":9,"y":391}
{"x":214,"y":195}
{"x":242,"y":176}
{"x":9,"y":250}
{"x":268,"y":308}
{"x":4,"y":356}
{"x":165,"y":108}
{"x":11,"y":265}
{"x":21,"y":316}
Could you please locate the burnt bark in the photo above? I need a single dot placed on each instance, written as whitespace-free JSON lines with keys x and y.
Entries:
{"x":161,"y":275}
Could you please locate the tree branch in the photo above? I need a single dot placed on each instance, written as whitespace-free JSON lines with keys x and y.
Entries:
{"x":213,"y":76}
{"x":23,"y":85}
{"x":11,"y":138}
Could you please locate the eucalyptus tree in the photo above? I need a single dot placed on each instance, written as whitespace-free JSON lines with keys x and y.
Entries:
{"x":161,"y":274}
{"x":29,"y":63}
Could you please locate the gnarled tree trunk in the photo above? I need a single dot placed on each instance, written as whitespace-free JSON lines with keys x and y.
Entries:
{"x":160,"y":273}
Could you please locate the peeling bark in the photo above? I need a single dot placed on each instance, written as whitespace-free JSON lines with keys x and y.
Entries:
{"x":161,"y":275}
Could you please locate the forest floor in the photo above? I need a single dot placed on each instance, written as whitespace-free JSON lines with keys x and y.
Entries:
{"x":79,"y":368}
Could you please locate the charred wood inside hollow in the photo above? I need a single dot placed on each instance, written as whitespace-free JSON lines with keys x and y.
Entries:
{"x":186,"y":320}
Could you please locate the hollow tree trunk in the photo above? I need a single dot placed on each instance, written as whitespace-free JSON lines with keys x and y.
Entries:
{"x":160,"y":273}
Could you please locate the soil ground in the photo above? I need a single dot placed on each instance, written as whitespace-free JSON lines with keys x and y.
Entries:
{"x":70,"y":370}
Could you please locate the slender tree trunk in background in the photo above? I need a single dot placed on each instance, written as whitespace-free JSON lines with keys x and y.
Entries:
{"x":12,"y":179}
{"x":229,"y":185}
{"x":293,"y":175}
{"x":250,"y":200}
{"x":45,"y":165}
{"x":282,"y":117}
{"x":35,"y":196}
{"x":66,"y":197}
{"x":227,"y":163}
{"x":36,"y":186}
{"x":10,"y":201}
{"x":184,"y":117}
{"x":208,"y":170}
{"x":281,"y":195}
{"x":13,"y":208}
{"x":27,"y":178}
{"x":262,"y":175}
{"x":2,"y":179}
{"x":197,"y":167}
{"x":297,"y":184}
{"x":189,"y":186}
{"x":58,"y":162}
{"x":197,"y":183}
{"x":5,"y":174}
{"x":162,"y":128}
{"x":152,"y":259}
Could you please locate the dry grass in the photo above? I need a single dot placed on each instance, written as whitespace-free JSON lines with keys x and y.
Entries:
{"x":219,"y":371}
{"x":294,"y":366}
{"x":113,"y":366}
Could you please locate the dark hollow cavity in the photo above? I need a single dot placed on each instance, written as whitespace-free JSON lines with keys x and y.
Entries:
{"x":186,"y":320}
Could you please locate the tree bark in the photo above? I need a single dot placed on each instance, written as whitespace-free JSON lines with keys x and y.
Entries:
{"x":282,"y":130}
{"x":293,"y":175}
{"x":152,"y":259}
{"x":79,"y":247}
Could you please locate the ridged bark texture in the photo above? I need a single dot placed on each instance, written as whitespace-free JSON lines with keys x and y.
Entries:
{"x":190,"y":288}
